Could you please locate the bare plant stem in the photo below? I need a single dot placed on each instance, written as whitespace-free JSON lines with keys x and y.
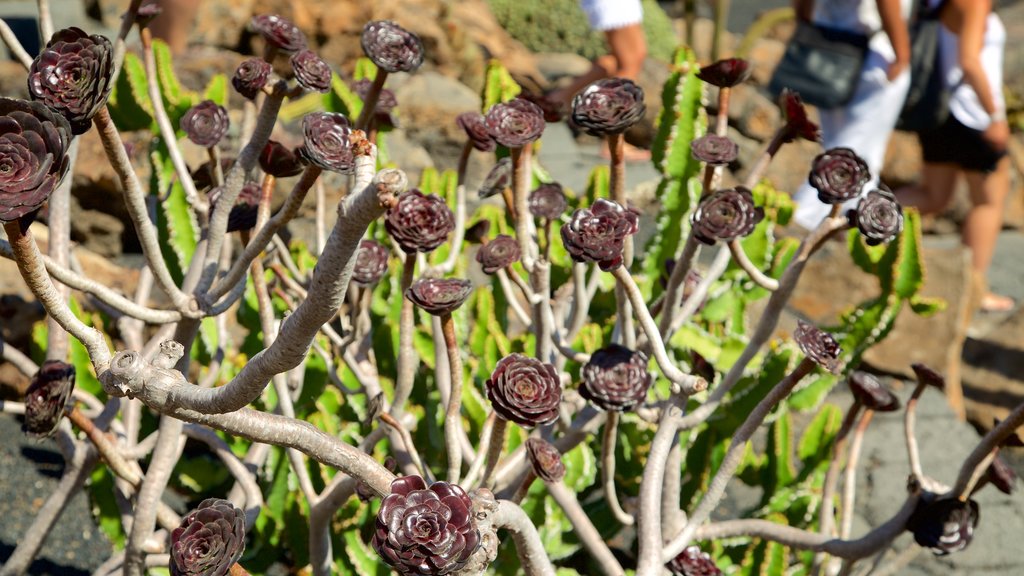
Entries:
{"x":649,"y":514}
{"x":975,"y":463}
{"x":584,"y":529}
{"x":370,"y":102}
{"x":674,"y":291}
{"x":513,"y":301}
{"x":850,"y":480}
{"x":477,"y":466}
{"x":672,"y":515}
{"x":407,"y":358}
{"x":611,"y":430}
{"x":909,"y":420}
{"x":755,"y":273}
{"x":14,"y":46}
{"x":511,"y":517}
{"x":493,"y":451}
{"x":408,"y":444}
{"x":59,"y":243}
{"x":521,"y":209}
{"x":700,"y":293}
{"x":826,"y":515}
{"x":541,"y":284}
{"x":453,"y":417}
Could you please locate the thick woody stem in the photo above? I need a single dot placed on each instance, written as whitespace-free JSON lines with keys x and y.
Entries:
{"x":494,"y":448}
{"x":649,"y":518}
{"x":59,"y":245}
{"x":453,"y":417}
{"x":611,"y":430}
{"x":531,"y":549}
{"x":584,"y":529}
{"x":521,"y":210}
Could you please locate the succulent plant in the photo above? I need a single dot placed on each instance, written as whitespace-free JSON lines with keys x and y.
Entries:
{"x":615,"y":378}
{"x":497,"y":179}
{"x":525,"y":390}
{"x":818,"y":345}
{"x":598,"y":234}
{"x":498,"y":254}
{"x":34,"y":145}
{"x":871,"y":393}
{"x":439,"y":296}
{"x":692,"y":562}
{"x":714,"y":150}
{"x":148,"y":10}
{"x":205,"y":123}
{"x":371,"y":263}
{"x":838,"y":174}
{"x":250,"y":77}
{"x":326,"y":142}
{"x":797,"y":125}
{"x":548,"y":201}
{"x":243,"y":213}
{"x":478,"y":232}
{"x":391,"y":47}
{"x":1001,"y":475}
{"x":726,"y":73}
{"x":425,"y":531}
{"x":279,"y":161}
{"x":545,"y":459}
{"x":608,"y":106}
{"x":476,"y":131}
{"x":418,"y":222}
{"x":73,"y":75}
{"x":928,"y":377}
{"x":279,"y":32}
{"x":516,"y":123}
{"x":726,"y":215}
{"x":46,"y":397}
{"x":878,"y":216}
{"x":386,"y":102}
{"x":945,"y":525}
{"x":210,"y":539}
{"x":311,"y":72}
{"x":203,"y":175}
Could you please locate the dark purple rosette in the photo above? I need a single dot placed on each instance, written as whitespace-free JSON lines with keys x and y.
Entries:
{"x":608,"y":106}
{"x":499,"y":178}
{"x":525,"y":390}
{"x":371,"y":263}
{"x":692,"y":562}
{"x":476,"y":130}
{"x":205,"y":123}
{"x":838,"y":175}
{"x":726,"y":215}
{"x":250,"y":77}
{"x":243,"y":213}
{"x":326,"y":142}
{"x":797,"y":125}
{"x":34,"y":145}
{"x":439,"y":296}
{"x":548,"y":201}
{"x":554,"y":110}
{"x":714,"y":150}
{"x":945,"y":525}
{"x":425,"y":531}
{"x":311,"y":72}
{"x":726,"y":73}
{"x":515,"y":124}
{"x":46,"y":397}
{"x":279,"y":161}
{"x":878,"y":216}
{"x":73,"y":75}
{"x":927,"y":376}
{"x":209,"y":540}
{"x":818,"y":346}
{"x":418,"y":222}
{"x":1000,"y":475}
{"x":598,"y":234}
{"x":386,"y":102}
{"x":615,"y":378}
{"x":545,"y":459}
{"x":391,"y":47}
{"x":498,"y":254}
{"x":279,"y":32}
{"x":871,"y":393}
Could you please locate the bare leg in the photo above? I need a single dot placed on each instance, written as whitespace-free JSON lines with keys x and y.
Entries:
{"x":983,"y":223}
{"x":174,"y":23}
{"x":932,"y":195}
{"x":628,"y":50}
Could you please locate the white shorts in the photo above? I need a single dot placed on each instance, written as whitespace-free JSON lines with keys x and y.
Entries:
{"x":612,"y":14}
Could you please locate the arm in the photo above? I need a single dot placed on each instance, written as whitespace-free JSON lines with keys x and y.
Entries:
{"x":973,"y":15}
{"x":804,"y":9}
{"x":896,"y":29}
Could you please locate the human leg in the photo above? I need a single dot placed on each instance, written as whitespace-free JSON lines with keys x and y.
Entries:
{"x":933,"y":194}
{"x":174,"y":23}
{"x":981,"y":228}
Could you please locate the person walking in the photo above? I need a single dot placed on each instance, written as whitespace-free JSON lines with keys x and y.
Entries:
{"x":866,"y":122}
{"x":973,"y":140}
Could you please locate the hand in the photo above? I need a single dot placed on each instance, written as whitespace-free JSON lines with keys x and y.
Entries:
{"x":897,"y":68}
{"x":997,"y":135}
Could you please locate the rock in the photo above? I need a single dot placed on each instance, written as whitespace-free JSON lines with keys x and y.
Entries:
{"x":555,"y":66}
{"x":96,"y":231}
{"x":751,"y":111}
{"x":429,"y":103}
{"x":13,"y":83}
{"x":993,"y":381}
{"x":903,"y":161}
{"x":764,"y":56}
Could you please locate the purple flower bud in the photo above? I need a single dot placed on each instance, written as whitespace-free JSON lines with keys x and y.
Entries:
{"x":927,"y":376}
{"x":945,"y":525}
{"x":515,"y":124}
{"x":878,"y":216}
{"x":371,"y":263}
{"x":476,"y":131}
{"x":279,"y":161}
{"x":205,"y":123}
{"x":419,"y":223}
{"x":425,"y":531}
{"x":46,"y":397}
{"x":1001,"y":475}
{"x":795,"y":115}
{"x":209,"y":540}
{"x":693,"y":562}
{"x":525,"y":390}
{"x":548,"y":201}
{"x":818,"y":346}
{"x":871,"y":393}
{"x":714,"y":150}
{"x":498,"y":254}
{"x":726,"y":73}
{"x":250,"y":77}
{"x":439,"y":296}
{"x":598,"y":234}
{"x":838,"y":175}
{"x":615,"y":378}
{"x":726,"y":215}
{"x":279,"y":32}
{"x":34,"y":145}
{"x":327,"y":143}
{"x":608,"y":106}
{"x":545,"y":459}
{"x":73,"y":75}
{"x":148,"y":10}
{"x":391,"y":47}
{"x":311,"y":72}
{"x":498,"y":179}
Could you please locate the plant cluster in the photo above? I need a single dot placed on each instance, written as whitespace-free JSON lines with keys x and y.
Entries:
{"x":378,"y":363}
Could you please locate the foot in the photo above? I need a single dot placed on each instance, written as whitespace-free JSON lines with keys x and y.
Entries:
{"x":992,"y":302}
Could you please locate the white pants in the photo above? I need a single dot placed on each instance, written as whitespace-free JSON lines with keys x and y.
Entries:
{"x":612,"y":14}
{"x":863,"y":125}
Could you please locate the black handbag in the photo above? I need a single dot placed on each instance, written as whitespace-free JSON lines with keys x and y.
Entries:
{"x":927,"y":104}
{"x":822,"y":64}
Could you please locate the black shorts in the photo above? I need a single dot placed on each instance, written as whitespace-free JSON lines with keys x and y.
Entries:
{"x":958,"y":144}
